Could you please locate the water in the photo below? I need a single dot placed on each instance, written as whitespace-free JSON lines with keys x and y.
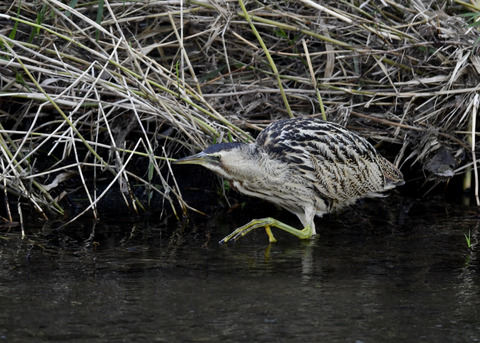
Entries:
{"x":376,"y":274}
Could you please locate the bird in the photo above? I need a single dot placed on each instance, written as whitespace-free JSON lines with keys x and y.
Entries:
{"x":307,"y":166}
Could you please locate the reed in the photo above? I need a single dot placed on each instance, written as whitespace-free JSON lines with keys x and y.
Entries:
{"x":98,"y":96}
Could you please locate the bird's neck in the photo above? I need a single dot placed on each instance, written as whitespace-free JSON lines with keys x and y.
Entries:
{"x":255,"y":166}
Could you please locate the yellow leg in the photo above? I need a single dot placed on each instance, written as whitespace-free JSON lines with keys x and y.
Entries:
{"x":306,"y":233}
{"x":271,"y":238}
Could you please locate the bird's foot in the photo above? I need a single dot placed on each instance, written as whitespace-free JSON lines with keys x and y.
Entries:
{"x":307,"y":232}
{"x":254,"y":224}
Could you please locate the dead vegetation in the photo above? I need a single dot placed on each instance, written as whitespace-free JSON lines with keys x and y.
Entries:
{"x":105,"y":93}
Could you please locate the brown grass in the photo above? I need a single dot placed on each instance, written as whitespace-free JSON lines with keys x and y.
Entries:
{"x":85,"y":102}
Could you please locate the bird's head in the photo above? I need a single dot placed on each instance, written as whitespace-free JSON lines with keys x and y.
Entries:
{"x":229,"y":160}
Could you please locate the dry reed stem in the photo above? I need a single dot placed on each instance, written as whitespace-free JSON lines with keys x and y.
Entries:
{"x":474,"y":159}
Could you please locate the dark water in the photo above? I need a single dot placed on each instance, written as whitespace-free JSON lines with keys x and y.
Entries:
{"x":376,"y":274}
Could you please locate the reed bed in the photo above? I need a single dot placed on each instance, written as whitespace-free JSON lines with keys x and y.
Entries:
{"x":97,"y":96}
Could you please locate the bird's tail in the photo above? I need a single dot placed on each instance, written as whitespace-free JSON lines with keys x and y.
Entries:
{"x":393,"y":176}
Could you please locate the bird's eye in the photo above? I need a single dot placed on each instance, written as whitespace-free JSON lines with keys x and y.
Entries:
{"x":214,"y":157}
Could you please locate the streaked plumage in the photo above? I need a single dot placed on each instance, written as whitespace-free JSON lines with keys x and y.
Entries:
{"x":307,"y":166}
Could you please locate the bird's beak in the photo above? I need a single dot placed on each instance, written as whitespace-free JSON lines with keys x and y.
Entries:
{"x":201,"y":158}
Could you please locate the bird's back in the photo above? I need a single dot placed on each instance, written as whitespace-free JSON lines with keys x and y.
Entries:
{"x":336,"y":164}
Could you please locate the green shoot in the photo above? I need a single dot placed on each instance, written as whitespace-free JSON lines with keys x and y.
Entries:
{"x":73,"y":3}
{"x":39,"y":21}
{"x":99,"y":18}
{"x":469,"y":240}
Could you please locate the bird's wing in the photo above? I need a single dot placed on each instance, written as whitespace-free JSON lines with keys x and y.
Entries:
{"x":339,"y":164}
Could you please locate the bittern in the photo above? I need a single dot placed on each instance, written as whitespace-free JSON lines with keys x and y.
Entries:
{"x":307,"y":166}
